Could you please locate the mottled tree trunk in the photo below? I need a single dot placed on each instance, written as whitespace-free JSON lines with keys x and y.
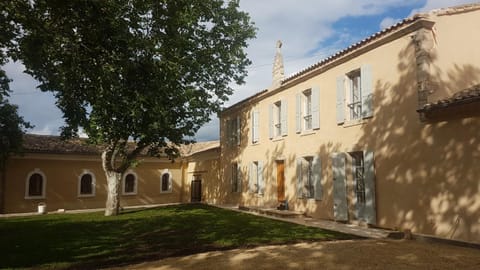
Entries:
{"x":112,"y":207}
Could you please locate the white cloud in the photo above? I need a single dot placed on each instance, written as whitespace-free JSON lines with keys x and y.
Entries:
{"x":388,"y":21}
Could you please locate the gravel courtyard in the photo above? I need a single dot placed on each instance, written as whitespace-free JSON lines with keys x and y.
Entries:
{"x":341,"y":255}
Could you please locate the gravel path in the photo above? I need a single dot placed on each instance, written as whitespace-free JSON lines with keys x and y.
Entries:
{"x":338,"y":255}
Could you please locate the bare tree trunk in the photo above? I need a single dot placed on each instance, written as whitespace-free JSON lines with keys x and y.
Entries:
{"x":112,"y":207}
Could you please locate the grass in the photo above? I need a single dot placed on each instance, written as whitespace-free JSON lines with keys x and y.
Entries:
{"x":91,"y":240}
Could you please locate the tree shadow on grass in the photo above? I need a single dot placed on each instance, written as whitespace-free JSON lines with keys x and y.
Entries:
{"x":87,"y":241}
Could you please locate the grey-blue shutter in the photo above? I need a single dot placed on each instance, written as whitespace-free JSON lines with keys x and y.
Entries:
{"x":261,"y":183}
{"x":227,"y":132}
{"x":316,"y":107}
{"x":340,"y":99}
{"x":239,"y":130}
{"x":283,"y":117}
{"x":340,"y":208}
{"x":369,"y":177}
{"x":317,"y":177}
{"x":298,"y":113}
{"x":239,"y":177}
{"x":270,"y":121}
{"x":367,"y":91}
{"x":232,"y":177}
{"x":251,"y":182}
{"x":299,"y":178}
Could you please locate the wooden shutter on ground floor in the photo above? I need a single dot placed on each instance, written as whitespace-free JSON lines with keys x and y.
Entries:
{"x":299,"y":178}
{"x":317,"y":177}
{"x":261,"y":184}
{"x":316,"y":107}
{"x":340,"y":208}
{"x":251,"y":177}
{"x":239,"y":178}
{"x":369,"y":176}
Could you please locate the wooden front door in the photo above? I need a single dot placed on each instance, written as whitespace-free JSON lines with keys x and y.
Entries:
{"x":281,"y":180}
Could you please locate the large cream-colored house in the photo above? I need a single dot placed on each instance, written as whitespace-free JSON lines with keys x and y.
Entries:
{"x":385,"y":132}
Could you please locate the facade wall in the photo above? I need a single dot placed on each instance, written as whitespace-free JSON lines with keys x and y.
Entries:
{"x":426,"y":177}
{"x":205,"y":166}
{"x":62,"y":174}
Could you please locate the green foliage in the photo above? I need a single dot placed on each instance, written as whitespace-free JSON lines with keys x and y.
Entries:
{"x":93,"y":241}
{"x":149,"y":71}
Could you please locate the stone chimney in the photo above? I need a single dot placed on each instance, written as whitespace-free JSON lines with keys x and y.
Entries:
{"x":278,"y":74}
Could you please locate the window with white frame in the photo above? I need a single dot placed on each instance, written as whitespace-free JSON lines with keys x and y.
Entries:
{"x":166,"y":182}
{"x":130,"y":183}
{"x":35,"y":185}
{"x":358,"y":176}
{"x":278,"y":119}
{"x":236,"y":178}
{"x":86,"y":184}
{"x":309,"y":178}
{"x":255,"y":181}
{"x":355,"y":95}
{"x":307,"y":112}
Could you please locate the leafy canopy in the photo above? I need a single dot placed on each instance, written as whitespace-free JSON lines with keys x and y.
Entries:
{"x":148,"y":70}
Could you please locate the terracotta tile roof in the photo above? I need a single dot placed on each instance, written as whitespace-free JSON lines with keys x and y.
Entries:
{"x":466,"y":96}
{"x":190,"y":149}
{"x":33,"y":143}
{"x":49,"y":144}
{"x":353,"y":47}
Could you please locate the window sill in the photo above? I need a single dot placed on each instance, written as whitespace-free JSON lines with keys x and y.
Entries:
{"x":307,"y":132}
{"x":255,"y":143}
{"x":276,"y":139}
{"x":166,"y":192}
{"x":354,"y":123}
{"x":34,"y":197}
{"x":85,"y":195}
{"x":129,"y":194}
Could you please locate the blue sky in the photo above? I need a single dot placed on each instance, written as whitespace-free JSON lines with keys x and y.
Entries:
{"x":309,"y":29}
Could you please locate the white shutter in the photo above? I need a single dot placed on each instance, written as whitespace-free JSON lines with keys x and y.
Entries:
{"x":315,"y":107}
{"x":270,"y":121}
{"x":251,"y":182}
{"x":238,"y":132}
{"x":283,"y":117}
{"x":299,"y":179}
{"x":317,"y":177}
{"x":340,"y":99}
{"x":298,"y":113}
{"x":255,"y":126}
{"x":340,"y":208}
{"x":170,"y":181}
{"x":369,"y":178}
{"x":261,"y":184}
{"x":367,"y":91}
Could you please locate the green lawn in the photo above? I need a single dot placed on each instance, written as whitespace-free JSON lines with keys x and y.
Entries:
{"x":91,"y":240}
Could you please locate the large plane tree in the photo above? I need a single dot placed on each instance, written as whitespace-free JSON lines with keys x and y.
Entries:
{"x":144,"y":71}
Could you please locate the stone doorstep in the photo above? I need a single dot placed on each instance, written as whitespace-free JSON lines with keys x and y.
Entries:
{"x":272,"y":212}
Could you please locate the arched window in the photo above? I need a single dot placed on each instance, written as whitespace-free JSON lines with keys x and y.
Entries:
{"x":35,"y":185}
{"x":86,"y":184}
{"x":130,"y":183}
{"x":166,"y":182}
